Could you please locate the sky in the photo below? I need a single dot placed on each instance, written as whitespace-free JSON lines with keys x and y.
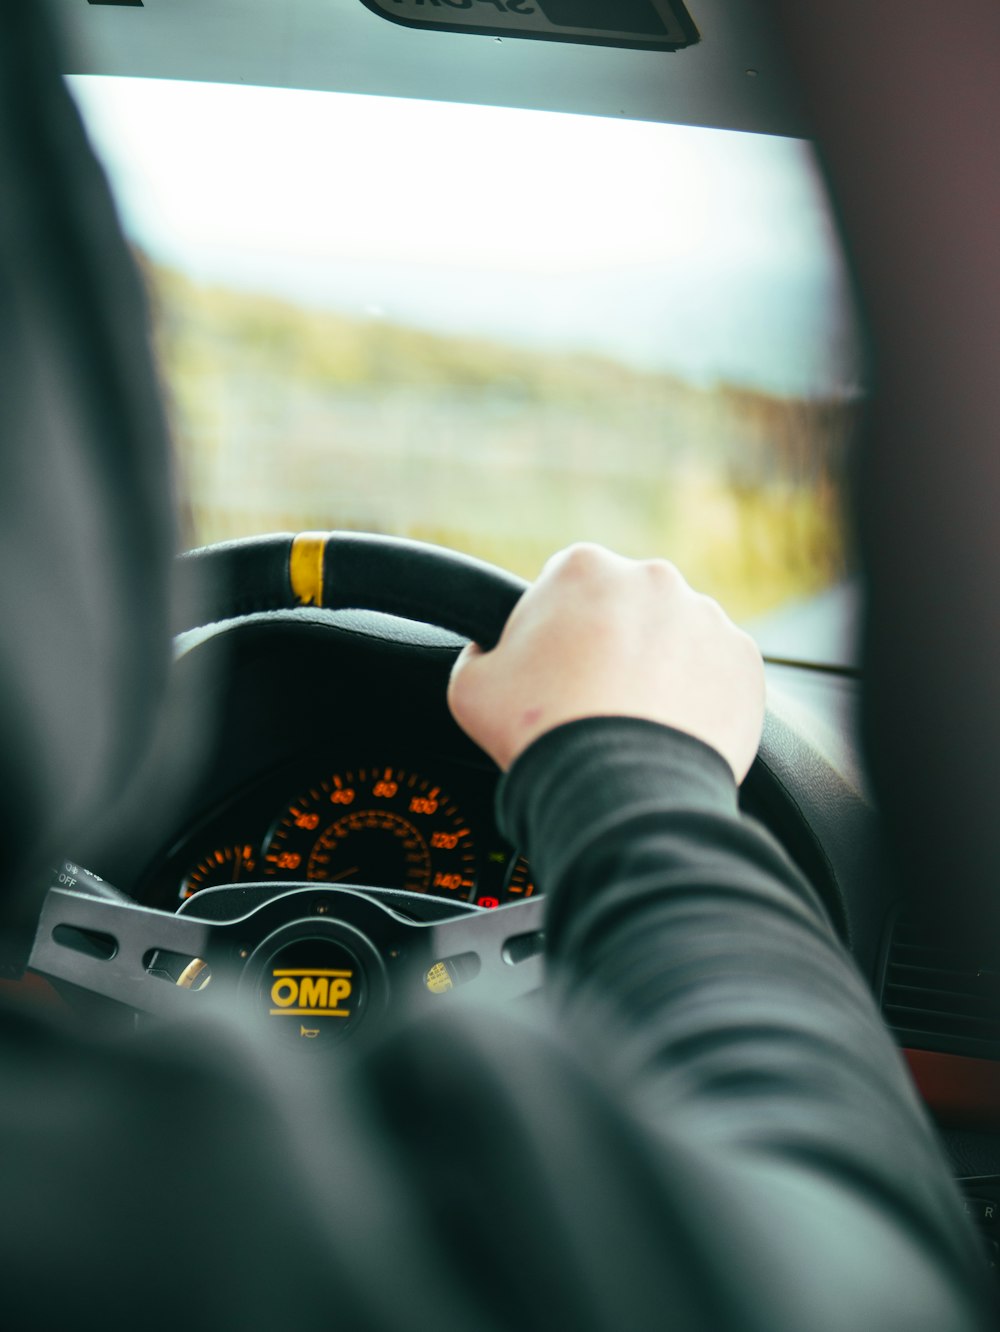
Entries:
{"x":705,"y":253}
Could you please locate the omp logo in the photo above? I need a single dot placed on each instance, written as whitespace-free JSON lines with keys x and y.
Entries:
{"x":310,"y":993}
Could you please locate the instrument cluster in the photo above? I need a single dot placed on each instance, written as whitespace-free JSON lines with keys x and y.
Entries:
{"x":423,"y":828}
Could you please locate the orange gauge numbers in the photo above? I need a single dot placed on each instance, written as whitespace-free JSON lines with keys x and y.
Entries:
{"x":519,"y":882}
{"x":229,"y":864}
{"x":381,"y":826}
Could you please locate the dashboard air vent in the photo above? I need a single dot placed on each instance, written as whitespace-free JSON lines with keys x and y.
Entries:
{"x":941,"y":993}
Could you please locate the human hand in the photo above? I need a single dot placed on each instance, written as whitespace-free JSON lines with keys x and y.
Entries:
{"x":599,"y":635}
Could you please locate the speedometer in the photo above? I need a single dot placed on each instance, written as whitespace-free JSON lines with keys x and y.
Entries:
{"x":377,"y":825}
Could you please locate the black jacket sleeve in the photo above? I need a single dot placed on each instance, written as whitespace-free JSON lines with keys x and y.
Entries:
{"x":700,"y":971}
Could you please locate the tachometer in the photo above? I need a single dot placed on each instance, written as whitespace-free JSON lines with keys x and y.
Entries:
{"x":229,"y":864}
{"x":375,"y":825}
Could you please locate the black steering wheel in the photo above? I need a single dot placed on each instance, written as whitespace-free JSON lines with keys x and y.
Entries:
{"x":315,"y":961}
{"x":350,"y":570}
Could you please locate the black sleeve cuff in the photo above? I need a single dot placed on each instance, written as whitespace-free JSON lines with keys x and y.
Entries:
{"x":573,"y":772}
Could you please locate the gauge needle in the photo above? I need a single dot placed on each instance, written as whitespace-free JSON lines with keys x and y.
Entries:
{"x":344,"y":874}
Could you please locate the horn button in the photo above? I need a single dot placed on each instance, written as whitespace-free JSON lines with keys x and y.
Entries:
{"x":315,"y":981}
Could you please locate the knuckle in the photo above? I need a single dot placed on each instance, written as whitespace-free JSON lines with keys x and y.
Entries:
{"x":582,"y":559}
{"x":663,"y":573}
{"x":585,"y":554}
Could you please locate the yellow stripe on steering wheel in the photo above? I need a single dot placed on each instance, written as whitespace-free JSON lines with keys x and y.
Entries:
{"x":305,"y":568}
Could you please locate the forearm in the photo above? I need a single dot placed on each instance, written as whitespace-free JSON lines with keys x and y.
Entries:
{"x":683,"y":919}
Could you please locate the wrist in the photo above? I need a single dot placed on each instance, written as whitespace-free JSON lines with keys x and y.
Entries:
{"x":560,"y":783}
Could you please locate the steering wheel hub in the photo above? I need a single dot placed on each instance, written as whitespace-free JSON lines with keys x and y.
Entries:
{"x":315,"y":980}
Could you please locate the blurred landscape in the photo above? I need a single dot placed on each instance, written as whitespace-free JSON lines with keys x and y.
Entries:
{"x":289,"y":418}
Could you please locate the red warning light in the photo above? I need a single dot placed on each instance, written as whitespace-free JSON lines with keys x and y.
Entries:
{"x":489,"y":902}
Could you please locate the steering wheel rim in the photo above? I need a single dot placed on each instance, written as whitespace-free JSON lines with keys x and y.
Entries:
{"x":348,"y":570}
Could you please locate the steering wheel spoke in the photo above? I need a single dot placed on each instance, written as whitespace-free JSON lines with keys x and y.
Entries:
{"x":112,"y":948}
{"x":310,"y":952}
{"x":500,"y":950}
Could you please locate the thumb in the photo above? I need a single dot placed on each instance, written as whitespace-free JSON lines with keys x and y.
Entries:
{"x":465,"y":660}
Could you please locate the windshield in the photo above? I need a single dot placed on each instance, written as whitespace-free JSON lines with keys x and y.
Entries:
{"x":499,"y":330}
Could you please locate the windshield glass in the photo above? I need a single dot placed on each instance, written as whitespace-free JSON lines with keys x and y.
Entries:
{"x":499,"y":330}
